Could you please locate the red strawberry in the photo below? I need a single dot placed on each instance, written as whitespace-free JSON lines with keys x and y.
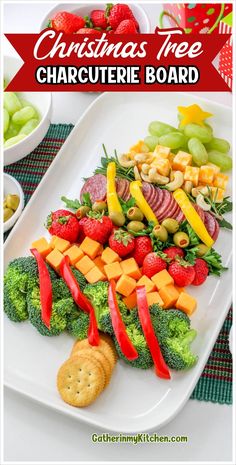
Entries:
{"x":87,"y":31}
{"x":143,"y":245}
{"x":182,"y":273}
{"x":152,"y":264}
{"x":121,"y":242}
{"x":201,"y":272}
{"x":64,"y":224}
{"x":67,"y":22}
{"x":118,"y":13}
{"x":126,"y":27}
{"x":173,"y":252}
{"x":81,"y":233}
{"x":99,"y":19}
{"x":98,"y":227}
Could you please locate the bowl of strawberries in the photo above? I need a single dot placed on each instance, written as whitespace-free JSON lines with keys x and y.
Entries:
{"x":97,"y":18}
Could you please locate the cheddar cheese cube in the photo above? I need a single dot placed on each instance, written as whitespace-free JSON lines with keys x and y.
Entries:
{"x":169,"y":295}
{"x":192,"y":174}
{"x":154,"y":298}
{"x":161,"y":151}
{"x":109,"y":256}
{"x":131,"y":301}
{"x":139,"y":147}
{"x":130,"y":267}
{"x":74,"y":253}
{"x":181,"y":160}
{"x":42,"y":246}
{"x":61,"y":244}
{"x":186,"y":303}
{"x":162,"y":278}
{"x":90,"y":247}
{"x":52,"y":241}
{"x":125,"y":285}
{"x":95,"y":275}
{"x":221,"y":180}
{"x":206,"y":174}
{"x":113,"y":270}
{"x":162,"y":165}
{"x":84,"y":265}
{"x":54,"y":259}
{"x":214,"y":167}
{"x":145,"y":281}
{"x":100,"y":263}
{"x":217,"y":194}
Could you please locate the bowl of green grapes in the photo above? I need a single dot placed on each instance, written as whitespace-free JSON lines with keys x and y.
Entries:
{"x":26,"y":116}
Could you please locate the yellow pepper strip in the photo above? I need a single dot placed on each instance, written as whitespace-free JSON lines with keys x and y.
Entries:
{"x":192,"y":217}
{"x":112,"y":197}
{"x":141,"y":202}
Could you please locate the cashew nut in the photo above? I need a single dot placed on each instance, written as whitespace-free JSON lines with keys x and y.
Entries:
{"x":125,"y":161}
{"x":201,"y":203}
{"x":145,"y":177}
{"x":155,"y":177}
{"x":200,"y":190}
{"x":177,"y":182}
{"x":145,"y":168}
{"x":137,"y":174}
{"x":143,"y":157}
{"x":187,"y":186}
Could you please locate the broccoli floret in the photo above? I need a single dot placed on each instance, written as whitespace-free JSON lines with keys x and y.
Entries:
{"x":78,"y":323}
{"x":80,"y":278}
{"x":137,"y":338}
{"x":172,"y":328}
{"x":63,"y":305}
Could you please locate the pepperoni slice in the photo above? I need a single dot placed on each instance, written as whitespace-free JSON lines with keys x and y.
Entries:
{"x":210,"y":223}
{"x":96,"y":186}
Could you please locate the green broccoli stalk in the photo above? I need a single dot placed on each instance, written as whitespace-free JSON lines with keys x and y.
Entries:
{"x":137,"y":338}
{"x":77,"y":324}
{"x":172,"y":328}
{"x":79,"y":278}
{"x":21,"y":276}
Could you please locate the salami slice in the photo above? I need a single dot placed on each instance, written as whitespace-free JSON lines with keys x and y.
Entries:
{"x":217,"y":230}
{"x":200,"y":211}
{"x":210,"y":223}
{"x":121,"y":187}
{"x":147,"y":190}
{"x":165,"y":204}
{"x":158,"y":199}
{"x":96,"y":186}
{"x":170,"y":213}
{"x":180,"y":217}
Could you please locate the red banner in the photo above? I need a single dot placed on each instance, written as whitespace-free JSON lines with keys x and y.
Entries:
{"x":169,"y":60}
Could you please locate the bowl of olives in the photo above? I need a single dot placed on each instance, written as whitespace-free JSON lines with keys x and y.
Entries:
{"x":13,"y":201}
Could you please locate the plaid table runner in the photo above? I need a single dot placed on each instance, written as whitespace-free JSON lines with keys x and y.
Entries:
{"x":215,"y":384}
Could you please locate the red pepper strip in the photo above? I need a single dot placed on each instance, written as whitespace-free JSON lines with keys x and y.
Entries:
{"x":124,"y":342}
{"x":80,"y":300}
{"x":143,"y":311}
{"x":45,"y":288}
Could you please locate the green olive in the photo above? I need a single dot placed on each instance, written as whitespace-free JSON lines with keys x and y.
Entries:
{"x":135,"y":214}
{"x":117,"y":218}
{"x":99,"y":206}
{"x":201,"y":250}
{"x":82,"y":211}
{"x":171,"y":225}
{"x":8,"y":212}
{"x":181,"y":239}
{"x":135,"y":226}
{"x":160,"y":232}
{"x":12,"y":201}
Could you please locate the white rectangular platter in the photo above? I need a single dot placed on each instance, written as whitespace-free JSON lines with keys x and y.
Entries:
{"x":136,"y":400}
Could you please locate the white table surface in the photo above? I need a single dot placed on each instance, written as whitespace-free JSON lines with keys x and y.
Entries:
{"x":34,"y":433}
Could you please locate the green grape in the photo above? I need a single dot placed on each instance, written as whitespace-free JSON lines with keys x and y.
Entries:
{"x":29,"y":126}
{"x":22,"y":116}
{"x":151,"y":142}
{"x":157,"y":128}
{"x":11,"y":102}
{"x":12,"y":131}
{"x":6,"y":119}
{"x":220,"y":145}
{"x":173,"y":140}
{"x":201,"y":133}
{"x":198,"y":151}
{"x":220,"y":159}
{"x":14,"y":140}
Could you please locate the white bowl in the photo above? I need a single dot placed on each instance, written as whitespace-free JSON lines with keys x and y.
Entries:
{"x":84,"y":10}
{"x":11,"y":186}
{"x":42,"y":101}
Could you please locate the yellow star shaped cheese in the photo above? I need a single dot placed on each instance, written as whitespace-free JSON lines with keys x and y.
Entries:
{"x":193,"y":114}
